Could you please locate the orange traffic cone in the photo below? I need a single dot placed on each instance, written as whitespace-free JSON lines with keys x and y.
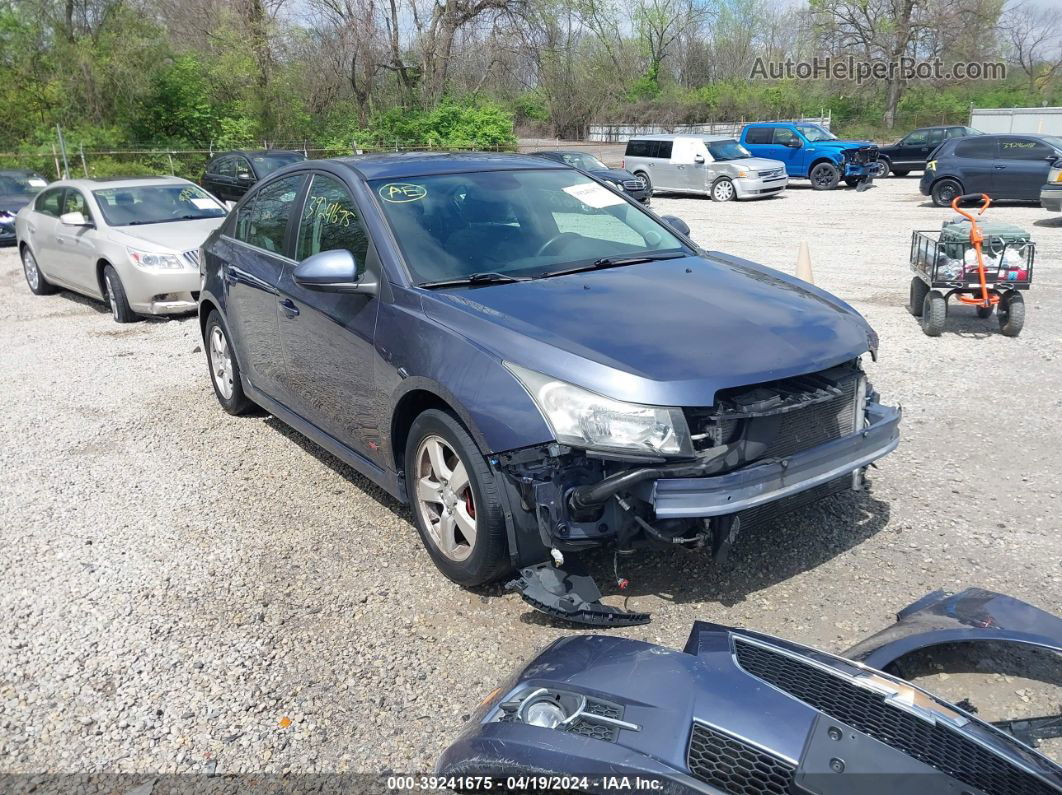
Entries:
{"x":803,"y":266}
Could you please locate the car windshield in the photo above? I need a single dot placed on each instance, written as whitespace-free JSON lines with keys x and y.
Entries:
{"x":814,"y":132}
{"x":584,"y":161}
{"x":726,"y":150}
{"x":1052,"y":140}
{"x":156,"y":204}
{"x":21,"y":184}
{"x":505,"y":225}
{"x":267,"y":164}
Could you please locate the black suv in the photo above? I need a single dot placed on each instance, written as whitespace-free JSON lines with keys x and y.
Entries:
{"x":911,"y":153}
{"x":623,"y":181}
{"x":1003,"y":166}
{"x":229,"y":174}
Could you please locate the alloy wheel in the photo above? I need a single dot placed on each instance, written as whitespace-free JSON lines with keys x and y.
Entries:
{"x":445,"y":499}
{"x":29,"y":264}
{"x":724,"y":191}
{"x":221,"y":362}
{"x":111,"y":298}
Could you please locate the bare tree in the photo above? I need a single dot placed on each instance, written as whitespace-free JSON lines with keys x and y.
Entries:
{"x":1033,"y":38}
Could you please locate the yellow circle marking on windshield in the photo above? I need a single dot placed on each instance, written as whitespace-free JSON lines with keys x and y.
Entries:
{"x":401,"y":192}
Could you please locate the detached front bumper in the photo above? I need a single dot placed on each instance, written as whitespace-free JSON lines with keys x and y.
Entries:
{"x":761,"y":483}
{"x":873,"y":169}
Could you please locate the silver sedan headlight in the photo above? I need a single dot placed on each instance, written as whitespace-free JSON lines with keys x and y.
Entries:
{"x":154,"y":261}
{"x":581,"y":418}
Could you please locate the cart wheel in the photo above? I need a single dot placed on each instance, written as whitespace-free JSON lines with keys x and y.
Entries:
{"x":1011,"y":314}
{"x":984,"y":311}
{"x":918,"y":296}
{"x":934,"y":313}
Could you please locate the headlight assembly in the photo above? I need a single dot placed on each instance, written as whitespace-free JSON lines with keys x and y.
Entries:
{"x":153,"y":261}
{"x":581,"y":418}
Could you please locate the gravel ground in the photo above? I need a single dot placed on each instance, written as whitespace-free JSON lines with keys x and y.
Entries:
{"x":189,"y":591}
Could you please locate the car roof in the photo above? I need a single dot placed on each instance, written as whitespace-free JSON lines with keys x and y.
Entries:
{"x":399,"y":165}
{"x":118,"y":182}
{"x":258,"y":152}
{"x":666,"y":136}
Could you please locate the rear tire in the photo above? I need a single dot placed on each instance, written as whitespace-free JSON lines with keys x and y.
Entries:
{"x":454,"y":495}
{"x":723,"y":190}
{"x":824,"y":176}
{"x":886,"y":168}
{"x":934,"y":313}
{"x":917,"y":296}
{"x":115,"y":295}
{"x":1011,"y":314}
{"x":945,"y":191}
{"x":223,"y":367}
{"x":34,"y":278}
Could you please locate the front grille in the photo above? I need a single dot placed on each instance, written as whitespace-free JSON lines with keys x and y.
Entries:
{"x":864,"y":154}
{"x":774,"y":172}
{"x":814,"y":409}
{"x":936,"y":745}
{"x":633,"y":184}
{"x":734,"y":766}
{"x":191,"y":256}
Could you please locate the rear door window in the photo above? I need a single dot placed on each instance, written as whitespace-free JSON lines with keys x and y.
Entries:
{"x":662,"y":149}
{"x":934,"y":137}
{"x":759,"y":135}
{"x":267,"y":222}
{"x":981,"y":146}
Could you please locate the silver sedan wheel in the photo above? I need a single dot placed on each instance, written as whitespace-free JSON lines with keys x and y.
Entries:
{"x":723,"y":191}
{"x":110,"y":296}
{"x":29,"y":263}
{"x":221,"y":362}
{"x":444,"y":498}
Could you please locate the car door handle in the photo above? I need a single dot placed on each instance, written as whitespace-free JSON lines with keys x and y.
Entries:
{"x":1000,"y":167}
{"x":287,"y":306}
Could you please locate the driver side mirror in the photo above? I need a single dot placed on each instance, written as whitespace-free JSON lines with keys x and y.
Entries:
{"x":334,"y":271}
{"x":794,"y":143}
{"x":698,"y":159}
{"x":676,"y":223}
{"x":74,"y":219}
{"x":244,"y":177}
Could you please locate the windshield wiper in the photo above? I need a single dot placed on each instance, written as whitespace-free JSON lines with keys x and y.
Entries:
{"x":489,"y":277}
{"x":614,"y":262}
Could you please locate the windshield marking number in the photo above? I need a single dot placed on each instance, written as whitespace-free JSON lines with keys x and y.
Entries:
{"x":401,"y":192}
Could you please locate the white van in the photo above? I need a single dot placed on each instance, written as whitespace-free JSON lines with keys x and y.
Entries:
{"x":714,"y":165}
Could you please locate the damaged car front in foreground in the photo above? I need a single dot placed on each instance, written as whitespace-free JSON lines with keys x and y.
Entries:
{"x":742,"y":713}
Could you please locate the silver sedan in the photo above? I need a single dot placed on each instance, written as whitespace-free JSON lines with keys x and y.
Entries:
{"x":131,"y":242}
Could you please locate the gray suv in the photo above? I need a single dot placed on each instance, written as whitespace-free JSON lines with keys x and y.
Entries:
{"x":717,"y":166}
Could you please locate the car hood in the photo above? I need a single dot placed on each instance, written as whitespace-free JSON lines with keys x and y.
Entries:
{"x":844,"y":144}
{"x":171,"y":236}
{"x":614,"y":173}
{"x":13,"y":203}
{"x":671,"y":332}
{"x":754,"y":163}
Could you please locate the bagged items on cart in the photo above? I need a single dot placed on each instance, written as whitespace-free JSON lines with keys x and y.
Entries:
{"x":1005,"y":251}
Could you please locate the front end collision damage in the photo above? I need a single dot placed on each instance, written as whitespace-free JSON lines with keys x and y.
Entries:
{"x":757,"y":448}
{"x":741,"y":711}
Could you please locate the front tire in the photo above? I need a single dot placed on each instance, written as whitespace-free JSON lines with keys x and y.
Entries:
{"x":223,"y":367}
{"x":34,"y":278}
{"x":934,"y":313}
{"x":456,"y":501}
{"x":1011,"y":314}
{"x":917,"y":298}
{"x":723,"y":190}
{"x":116,"y":298}
{"x":648,"y":182}
{"x":824,"y":176}
{"x":945,"y":191}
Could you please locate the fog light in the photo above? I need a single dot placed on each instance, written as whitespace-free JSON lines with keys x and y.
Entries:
{"x":546,"y":714}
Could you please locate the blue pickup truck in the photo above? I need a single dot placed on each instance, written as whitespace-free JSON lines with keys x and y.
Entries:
{"x":812,"y":152}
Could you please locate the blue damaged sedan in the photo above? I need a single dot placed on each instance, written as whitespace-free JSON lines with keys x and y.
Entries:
{"x":534,"y":362}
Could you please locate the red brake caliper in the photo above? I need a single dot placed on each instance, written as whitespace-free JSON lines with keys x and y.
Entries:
{"x":469,"y":505}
